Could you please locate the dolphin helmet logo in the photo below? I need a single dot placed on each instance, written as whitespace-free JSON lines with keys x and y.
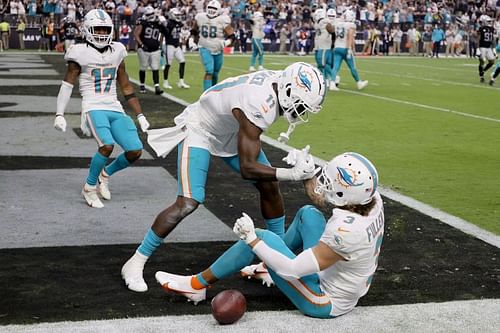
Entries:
{"x":304,"y":79}
{"x":347,"y":178}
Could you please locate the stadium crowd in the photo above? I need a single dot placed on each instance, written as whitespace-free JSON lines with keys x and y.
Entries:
{"x":384,"y":26}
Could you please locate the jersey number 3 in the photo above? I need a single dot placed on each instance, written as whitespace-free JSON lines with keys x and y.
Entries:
{"x":103,"y":74}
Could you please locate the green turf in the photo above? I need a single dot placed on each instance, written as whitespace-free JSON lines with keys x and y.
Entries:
{"x":423,"y":135}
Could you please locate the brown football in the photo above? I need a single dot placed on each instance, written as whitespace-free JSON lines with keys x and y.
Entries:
{"x":228,"y":306}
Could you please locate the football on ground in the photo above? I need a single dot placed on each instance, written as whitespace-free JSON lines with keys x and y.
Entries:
{"x":228,"y":306}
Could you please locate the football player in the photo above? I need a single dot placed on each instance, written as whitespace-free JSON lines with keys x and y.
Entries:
{"x":339,"y":257}
{"x":99,"y":64}
{"x":496,"y":72}
{"x":69,"y":31}
{"x":344,"y":48}
{"x":323,"y":43}
{"x":147,"y":36}
{"x":173,"y":48}
{"x":227,"y":121}
{"x":213,"y":32}
{"x":257,"y":23}
{"x":486,"y":53}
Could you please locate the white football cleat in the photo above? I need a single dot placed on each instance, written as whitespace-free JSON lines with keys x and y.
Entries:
{"x":261,"y":68}
{"x":361,"y":84}
{"x":104,"y":185}
{"x":181,"y":285}
{"x":257,"y":272}
{"x":132,"y":273}
{"x":90,"y":194}
{"x":182,"y":84}
{"x":333,"y":86}
{"x":251,"y":69}
{"x":166,"y":85}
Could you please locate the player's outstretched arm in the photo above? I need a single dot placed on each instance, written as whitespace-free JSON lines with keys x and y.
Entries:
{"x":72,"y":73}
{"x":128,"y":93}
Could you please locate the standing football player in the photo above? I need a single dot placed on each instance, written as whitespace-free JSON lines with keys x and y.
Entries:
{"x":486,"y":34}
{"x":257,"y":23}
{"x":344,"y":48}
{"x":214,"y":32}
{"x":99,"y":64}
{"x":147,"y":36}
{"x":496,"y":72}
{"x":69,"y":32}
{"x":173,"y":48}
{"x":338,"y":257}
{"x":227,"y":121}
{"x":323,"y":43}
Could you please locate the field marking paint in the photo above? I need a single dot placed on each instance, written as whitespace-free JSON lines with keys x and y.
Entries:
{"x":424,"y":106}
{"x":426,"y":209}
{"x":450,"y":69}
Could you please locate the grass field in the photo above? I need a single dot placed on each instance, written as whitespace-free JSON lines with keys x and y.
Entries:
{"x":429,"y":126}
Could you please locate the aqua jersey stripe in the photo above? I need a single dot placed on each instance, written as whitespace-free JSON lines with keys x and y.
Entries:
{"x":370,"y":168}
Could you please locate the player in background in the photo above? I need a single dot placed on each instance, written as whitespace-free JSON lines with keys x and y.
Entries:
{"x":344,"y":48}
{"x":99,"y":64}
{"x":496,"y":72}
{"x":173,"y":48}
{"x":257,"y":23}
{"x":486,"y":53}
{"x":339,"y":257}
{"x":323,"y":44}
{"x":331,"y":15}
{"x":69,"y":32}
{"x":214,"y":32}
{"x":227,"y":121}
{"x":147,"y":36}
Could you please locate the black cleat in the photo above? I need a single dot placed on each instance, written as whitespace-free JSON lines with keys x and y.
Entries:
{"x":492,"y":82}
{"x":142,"y":90}
{"x":158,"y":91}
{"x":481,"y":79}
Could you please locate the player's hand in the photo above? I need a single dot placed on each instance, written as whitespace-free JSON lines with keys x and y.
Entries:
{"x":349,"y":53}
{"x":60,"y":123}
{"x":144,"y":48}
{"x":304,"y":167}
{"x":244,"y":229}
{"x":143,"y":122}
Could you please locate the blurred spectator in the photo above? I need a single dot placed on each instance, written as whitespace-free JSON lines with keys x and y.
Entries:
{"x":125,"y":34}
{"x":374,"y":40}
{"x":413,"y":37}
{"x":71,"y":10}
{"x":284,"y":33}
{"x":473,"y":42}
{"x":450,"y":37}
{"x":243,"y":36}
{"x":386,"y":40}
{"x":5,"y":32}
{"x":397,"y":36}
{"x":50,"y":34}
{"x":21,"y":26}
{"x":427,"y":41}
{"x":437,"y":39}
{"x":32,"y":13}
{"x":44,"y":40}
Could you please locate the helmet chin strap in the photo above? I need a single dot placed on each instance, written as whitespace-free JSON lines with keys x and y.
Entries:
{"x":284,"y":137}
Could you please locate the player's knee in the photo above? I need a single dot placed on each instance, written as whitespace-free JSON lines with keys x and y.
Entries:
{"x":310,"y":216}
{"x":269,"y":189}
{"x":133,"y":155}
{"x":185,"y":206}
{"x":106,"y":150}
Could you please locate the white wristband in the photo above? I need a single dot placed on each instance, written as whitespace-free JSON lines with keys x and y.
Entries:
{"x":284,"y":174}
{"x":63,"y":97}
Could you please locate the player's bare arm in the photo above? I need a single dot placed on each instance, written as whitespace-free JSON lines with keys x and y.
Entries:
{"x":72,"y":72}
{"x":128,"y":89}
{"x":249,"y":146}
{"x":137,"y":35}
{"x":195,"y":32}
{"x":325,"y":256}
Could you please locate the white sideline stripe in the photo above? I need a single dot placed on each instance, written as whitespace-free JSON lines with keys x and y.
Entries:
{"x":424,"y":106}
{"x":455,"y":316}
{"x":450,"y":69}
{"x":449,"y":219}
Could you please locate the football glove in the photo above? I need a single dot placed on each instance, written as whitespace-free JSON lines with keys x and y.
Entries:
{"x":244,"y":229}
{"x":294,"y":155}
{"x":60,"y":123}
{"x":302,"y":170}
{"x":143,"y":122}
{"x":349,"y":53}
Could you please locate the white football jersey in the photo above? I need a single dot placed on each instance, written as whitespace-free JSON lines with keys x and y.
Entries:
{"x":212,"y":115}
{"x":258,"y":28}
{"x":357,"y":239}
{"x":98,"y":75}
{"x":341,"y":29}
{"x":322,"y":39}
{"x":212,"y":31}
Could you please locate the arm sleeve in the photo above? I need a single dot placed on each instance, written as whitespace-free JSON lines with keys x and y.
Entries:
{"x":289,"y":269}
{"x":63,"y":97}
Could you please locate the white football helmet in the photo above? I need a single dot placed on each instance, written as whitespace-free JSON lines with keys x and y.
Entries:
{"x":485,"y":20}
{"x":94,"y":19}
{"x":331,"y":13}
{"x":213,"y":9}
{"x":349,"y":16}
{"x":348,"y":179}
{"x":301,"y":89}
{"x":319,"y":14}
{"x":149,"y":14}
{"x":175,"y":14}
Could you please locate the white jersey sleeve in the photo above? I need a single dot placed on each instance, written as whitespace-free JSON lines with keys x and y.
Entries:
{"x":212,"y":31}
{"x":98,"y":75}
{"x":341,"y":33}
{"x":323,"y":38}
{"x":258,"y":28}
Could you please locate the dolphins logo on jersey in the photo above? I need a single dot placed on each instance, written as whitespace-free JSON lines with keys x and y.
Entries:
{"x":304,"y":79}
{"x":347,"y":178}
